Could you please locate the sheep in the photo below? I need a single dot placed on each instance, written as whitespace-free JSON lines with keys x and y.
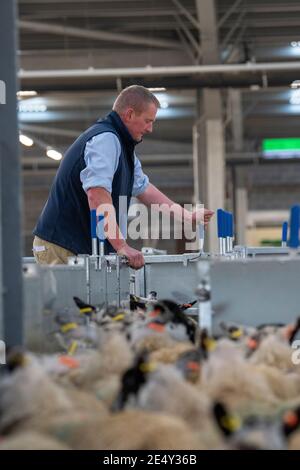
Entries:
{"x":169,"y":355}
{"x":253,"y":434}
{"x":30,"y":440}
{"x":226,"y":376}
{"x":131,"y":430}
{"x":274,"y":352}
{"x":38,"y":397}
{"x":114,"y":357}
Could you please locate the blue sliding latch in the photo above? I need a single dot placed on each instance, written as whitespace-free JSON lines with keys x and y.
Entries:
{"x":284,"y":234}
{"x":94,"y":232}
{"x":294,"y":227}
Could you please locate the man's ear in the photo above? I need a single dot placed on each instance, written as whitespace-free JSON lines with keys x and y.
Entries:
{"x":128,"y":114}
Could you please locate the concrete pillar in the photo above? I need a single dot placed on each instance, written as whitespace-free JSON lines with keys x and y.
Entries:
{"x":208,"y":132}
{"x":10,"y":187}
{"x":241,"y":205}
{"x":241,"y":215}
{"x":237,"y":124}
{"x":206,"y":12}
{"x":209,"y":159}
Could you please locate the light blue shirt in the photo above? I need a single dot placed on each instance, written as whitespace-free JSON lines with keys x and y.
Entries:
{"x":101,"y":156}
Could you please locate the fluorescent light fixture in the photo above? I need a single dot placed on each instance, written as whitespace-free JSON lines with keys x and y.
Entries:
{"x":295,"y":43}
{"x":164,"y":104}
{"x":295,"y":84}
{"x":281,"y":147}
{"x":32,"y":108}
{"x":26,"y":93}
{"x":157,"y":90}
{"x":25,"y":140}
{"x":54,"y":154}
{"x":295,"y":97}
{"x":254,"y":87}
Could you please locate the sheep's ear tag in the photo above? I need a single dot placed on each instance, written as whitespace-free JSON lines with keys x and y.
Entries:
{"x":147,"y":367}
{"x":252,"y":344}
{"x":118,"y":317}
{"x":156,"y":327}
{"x":68,"y":361}
{"x":193,"y":365}
{"x":291,"y":419}
{"x":230,"y":422}
{"x":237,"y":333}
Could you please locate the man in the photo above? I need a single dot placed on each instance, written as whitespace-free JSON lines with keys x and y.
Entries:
{"x":98,"y":168}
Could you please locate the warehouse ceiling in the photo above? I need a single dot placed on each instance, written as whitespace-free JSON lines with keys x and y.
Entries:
{"x":64,"y":44}
{"x":76,"y":55}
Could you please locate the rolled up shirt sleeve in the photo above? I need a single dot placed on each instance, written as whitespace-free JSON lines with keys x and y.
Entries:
{"x":141,"y":180}
{"x":101,"y":156}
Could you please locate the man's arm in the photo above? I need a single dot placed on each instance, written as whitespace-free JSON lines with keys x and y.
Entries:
{"x":152,"y":195}
{"x":98,"y":197}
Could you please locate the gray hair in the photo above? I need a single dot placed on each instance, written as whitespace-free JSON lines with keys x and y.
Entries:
{"x":136,"y":97}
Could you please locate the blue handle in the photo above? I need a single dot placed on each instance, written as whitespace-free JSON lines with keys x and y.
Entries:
{"x":294,"y":227}
{"x":284,"y":231}
{"x":100,"y":228}
{"x":220,"y":222}
{"x":231,"y":225}
{"x":93,"y":223}
{"x":227,"y":224}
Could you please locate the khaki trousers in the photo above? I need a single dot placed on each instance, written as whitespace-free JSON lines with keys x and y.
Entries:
{"x":49,"y":253}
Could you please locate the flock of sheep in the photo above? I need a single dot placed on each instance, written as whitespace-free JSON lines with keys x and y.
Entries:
{"x":147,"y":377}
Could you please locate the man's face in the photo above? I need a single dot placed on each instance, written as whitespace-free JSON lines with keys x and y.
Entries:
{"x":140,"y":124}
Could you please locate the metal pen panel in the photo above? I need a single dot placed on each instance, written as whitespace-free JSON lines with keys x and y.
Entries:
{"x":171,"y":276}
{"x":255,"y":291}
{"x":10,"y":186}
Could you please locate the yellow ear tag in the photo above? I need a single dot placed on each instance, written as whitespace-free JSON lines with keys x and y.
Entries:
{"x":86,"y":310}
{"x":68,"y":326}
{"x":118,"y":317}
{"x":236,"y":334}
{"x":148,"y":367}
{"x":72,"y":348}
{"x":210,"y":344}
{"x":230,"y":422}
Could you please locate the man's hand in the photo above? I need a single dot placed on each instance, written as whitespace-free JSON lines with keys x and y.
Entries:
{"x":202,"y":215}
{"x":135,"y":257}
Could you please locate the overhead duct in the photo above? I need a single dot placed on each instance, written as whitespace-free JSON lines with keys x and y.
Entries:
{"x":39,"y":27}
{"x":194,"y":76}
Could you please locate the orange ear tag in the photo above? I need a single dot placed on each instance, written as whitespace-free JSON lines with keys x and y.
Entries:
{"x":156,"y":327}
{"x":192,"y":365}
{"x":252,"y":343}
{"x":68,"y":361}
{"x":154,"y":313}
{"x":291,"y":419}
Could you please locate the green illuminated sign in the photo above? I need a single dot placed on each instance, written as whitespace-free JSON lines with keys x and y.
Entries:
{"x":281,"y":145}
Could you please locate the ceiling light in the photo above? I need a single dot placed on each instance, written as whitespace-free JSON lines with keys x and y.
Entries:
{"x":295,"y":43}
{"x":158,"y":89}
{"x":164,"y":104}
{"x":32,"y":108}
{"x":295,"y":84}
{"x":26,"y":93}
{"x":54,"y":154}
{"x":295,"y":97}
{"x":25,"y":140}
